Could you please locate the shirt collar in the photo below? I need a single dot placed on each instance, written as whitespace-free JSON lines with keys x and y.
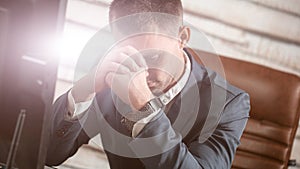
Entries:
{"x":177,"y":88}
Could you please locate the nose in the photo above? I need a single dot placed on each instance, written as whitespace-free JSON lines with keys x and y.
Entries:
{"x":150,"y":76}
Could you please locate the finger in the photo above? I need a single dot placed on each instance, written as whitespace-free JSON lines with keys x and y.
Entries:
{"x":138,"y":57}
{"x":129,"y":63}
{"x":114,"y":79}
{"x":109,"y":78}
{"x":119,"y":68}
{"x":119,"y":85}
{"x":121,"y":57}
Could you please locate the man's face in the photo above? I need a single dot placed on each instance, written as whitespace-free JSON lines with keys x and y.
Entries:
{"x":163,"y":56}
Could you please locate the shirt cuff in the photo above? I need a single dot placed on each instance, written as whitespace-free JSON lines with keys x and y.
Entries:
{"x":76,"y":110}
{"x":139,"y":125}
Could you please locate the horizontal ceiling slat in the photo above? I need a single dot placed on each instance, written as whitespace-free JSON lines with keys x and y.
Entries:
{"x":249,"y":16}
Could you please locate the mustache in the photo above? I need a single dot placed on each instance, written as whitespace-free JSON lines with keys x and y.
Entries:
{"x":153,"y":83}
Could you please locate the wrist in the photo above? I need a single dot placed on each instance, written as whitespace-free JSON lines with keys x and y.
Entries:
{"x":83,"y":90}
{"x":141,"y":100}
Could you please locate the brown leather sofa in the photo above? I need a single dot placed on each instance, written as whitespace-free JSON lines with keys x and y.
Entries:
{"x":275,"y":108}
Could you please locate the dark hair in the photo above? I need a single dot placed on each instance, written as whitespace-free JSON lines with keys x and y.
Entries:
{"x":151,"y":13}
{"x":120,"y":8}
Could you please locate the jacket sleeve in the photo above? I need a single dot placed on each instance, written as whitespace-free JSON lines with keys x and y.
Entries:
{"x":216,"y":152}
{"x":65,"y":136}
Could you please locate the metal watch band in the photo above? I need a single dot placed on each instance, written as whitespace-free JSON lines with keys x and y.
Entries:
{"x":152,"y":106}
{"x":132,"y":117}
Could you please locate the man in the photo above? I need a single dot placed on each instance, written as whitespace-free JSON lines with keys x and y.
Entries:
{"x":152,"y":103}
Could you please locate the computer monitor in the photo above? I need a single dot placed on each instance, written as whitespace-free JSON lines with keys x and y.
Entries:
{"x":28,"y":69}
{"x":3,"y":32}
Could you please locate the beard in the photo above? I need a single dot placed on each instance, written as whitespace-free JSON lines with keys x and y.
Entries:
{"x":158,"y":85}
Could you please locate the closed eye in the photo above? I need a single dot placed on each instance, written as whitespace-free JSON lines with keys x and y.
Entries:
{"x":155,"y":57}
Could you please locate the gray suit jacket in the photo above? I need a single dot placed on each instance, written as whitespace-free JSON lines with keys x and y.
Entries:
{"x":201,"y":129}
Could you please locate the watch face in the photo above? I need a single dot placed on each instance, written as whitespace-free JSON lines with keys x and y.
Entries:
{"x":146,"y":108}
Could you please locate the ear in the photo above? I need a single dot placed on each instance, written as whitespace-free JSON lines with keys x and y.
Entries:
{"x":184,"y":36}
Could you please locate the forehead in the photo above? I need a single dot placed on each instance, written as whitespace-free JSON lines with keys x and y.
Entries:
{"x":140,"y":23}
{"x":150,"y":41}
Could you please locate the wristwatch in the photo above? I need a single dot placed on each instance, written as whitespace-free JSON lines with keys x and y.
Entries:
{"x":132,"y":117}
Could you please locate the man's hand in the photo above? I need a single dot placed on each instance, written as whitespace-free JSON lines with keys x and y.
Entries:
{"x":124,"y":71}
{"x":95,"y":81}
{"x":132,"y":87}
